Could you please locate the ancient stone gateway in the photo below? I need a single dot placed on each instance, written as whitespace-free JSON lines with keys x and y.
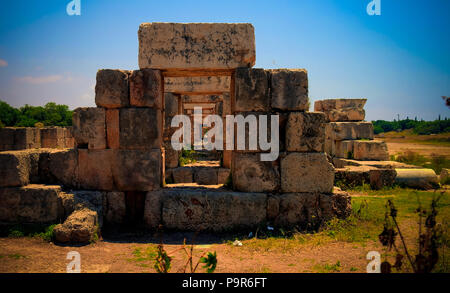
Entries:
{"x":121,"y":154}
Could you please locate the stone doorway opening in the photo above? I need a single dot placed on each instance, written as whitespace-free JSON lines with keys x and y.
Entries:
{"x":184,"y":91}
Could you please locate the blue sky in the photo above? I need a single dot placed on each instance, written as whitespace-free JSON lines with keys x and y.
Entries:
{"x":399,"y":60}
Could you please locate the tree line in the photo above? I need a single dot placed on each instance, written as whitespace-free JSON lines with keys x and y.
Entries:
{"x":51,"y":114}
{"x":418,"y":126}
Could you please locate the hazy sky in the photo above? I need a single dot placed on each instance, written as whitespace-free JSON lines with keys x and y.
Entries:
{"x":399,"y":60}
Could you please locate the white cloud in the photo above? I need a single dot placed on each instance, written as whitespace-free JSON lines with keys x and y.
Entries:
{"x":3,"y":63}
{"x":41,"y":79}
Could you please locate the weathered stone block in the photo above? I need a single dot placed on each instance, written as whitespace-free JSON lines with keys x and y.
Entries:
{"x":339,"y":104}
{"x":370,"y":150}
{"x":146,"y":88}
{"x":305,"y":132}
{"x":212,"y":211}
{"x":29,"y":204}
{"x":206,"y":176}
{"x":114,"y":207}
{"x":251,"y":90}
{"x":182,"y":175}
{"x":53,"y":137}
{"x":63,"y":167}
{"x":290,"y":89}
{"x":80,"y":227}
{"x":89,"y":127}
{"x":250,"y":174}
{"x":153,"y":209}
{"x":112,"y":128}
{"x":348,"y":130}
{"x":136,"y":170}
{"x":197,"y":84}
{"x":111,"y":90}
{"x":222,"y":175}
{"x":196,"y":45}
{"x":94,"y":169}
{"x":306,"y":172}
{"x":380,"y":178}
{"x":140,"y":128}
{"x":15,"y":168}
{"x":171,"y":156}
{"x":417,"y":178}
{"x":6,"y":138}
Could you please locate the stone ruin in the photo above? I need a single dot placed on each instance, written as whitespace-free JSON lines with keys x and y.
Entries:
{"x":22,"y":138}
{"x":116,"y":172}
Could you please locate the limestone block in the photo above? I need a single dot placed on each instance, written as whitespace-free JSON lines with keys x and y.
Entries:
{"x":196,"y":45}
{"x":114,"y":207}
{"x":222,"y":175}
{"x":89,"y":127}
{"x":146,"y":88}
{"x":6,"y":139}
{"x":170,"y":108}
{"x":206,"y":176}
{"x":199,"y":210}
{"x":111,"y":90}
{"x":344,"y":149}
{"x":29,"y":204}
{"x":15,"y":168}
{"x":370,"y":150}
{"x":290,"y":89}
{"x":27,"y":138}
{"x":352,"y":176}
{"x":140,"y":128}
{"x":305,"y":132}
{"x":63,"y":167}
{"x":444,"y":177}
{"x":53,"y":137}
{"x":171,"y":156}
{"x":339,"y":104}
{"x":183,"y":175}
{"x":252,"y":90}
{"x":380,"y":178}
{"x":337,"y":204}
{"x":152,"y":209}
{"x":197,"y":84}
{"x":348,"y":130}
{"x":250,"y":174}
{"x":306,"y":172}
{"x":112,"y":128}
{"x":137,"y":170}
{"x":80,"y":227}
{"x":94,"y":169}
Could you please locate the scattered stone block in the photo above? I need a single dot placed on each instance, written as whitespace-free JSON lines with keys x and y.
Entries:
{"x":146,"y":88}
{"x":370,"y":150}
{"x":250,"y":174}
{"x":63,"y":167}
{"x":305,"y":132}
{"x":29,"y":204}
{"x":348,"y":130}
{"x":89,"y":127}
{"x":352,"y":176}
{"x":306,"y":172}
{"x":380,"y":178}
{"x":80,"y":227}
{"x":337,"y":204}
{"x":140,"y":128}
{"x":137,"y":170}
{"x":196,"y":45}
{"x":200,"y":210}
{"x":182,"y":175}
{"x":289,"y":89}
{"x":251,"y":90}
{"x":111,"y":90}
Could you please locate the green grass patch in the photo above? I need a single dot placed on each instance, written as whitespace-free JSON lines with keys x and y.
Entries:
{"x":142,"y":255}
{"x":28,"y":230}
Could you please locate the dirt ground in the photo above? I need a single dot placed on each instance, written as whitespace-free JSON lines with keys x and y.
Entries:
{"x":33,"y":255}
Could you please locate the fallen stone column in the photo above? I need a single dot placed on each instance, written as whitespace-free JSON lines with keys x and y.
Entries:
{"x":417,"y":178}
